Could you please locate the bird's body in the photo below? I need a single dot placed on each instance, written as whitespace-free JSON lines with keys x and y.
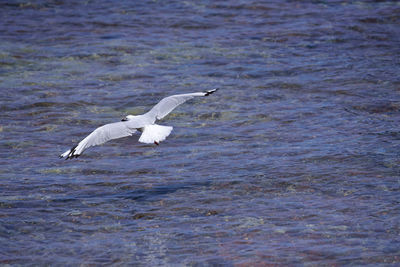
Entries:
{"x":151,"y":132}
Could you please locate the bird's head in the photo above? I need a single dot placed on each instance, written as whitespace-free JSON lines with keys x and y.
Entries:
{"x":127,"y":118}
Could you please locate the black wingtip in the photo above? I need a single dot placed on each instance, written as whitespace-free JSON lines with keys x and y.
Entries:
{"x":210,"y":91}
{"x":71,"y":153}
{"x":72,"y":156}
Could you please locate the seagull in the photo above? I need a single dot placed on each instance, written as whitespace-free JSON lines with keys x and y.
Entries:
{"x":145,"y":123}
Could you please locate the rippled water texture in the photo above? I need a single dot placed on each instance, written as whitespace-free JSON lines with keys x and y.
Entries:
{"x":295,"y":161}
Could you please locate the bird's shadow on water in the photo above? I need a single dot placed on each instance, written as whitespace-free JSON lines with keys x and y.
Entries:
{"x":154,"y":193}
{"x":139,"y":195}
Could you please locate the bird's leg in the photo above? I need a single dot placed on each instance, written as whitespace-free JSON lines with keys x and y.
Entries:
{"x":155,"y":142}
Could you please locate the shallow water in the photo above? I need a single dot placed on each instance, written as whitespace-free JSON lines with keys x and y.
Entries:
{"x":295,"y":161}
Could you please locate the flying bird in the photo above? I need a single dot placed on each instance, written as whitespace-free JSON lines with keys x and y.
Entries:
{"x":145,"y":123}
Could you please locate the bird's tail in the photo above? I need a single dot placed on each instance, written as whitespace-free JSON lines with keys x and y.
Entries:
{"x":154,"y":133}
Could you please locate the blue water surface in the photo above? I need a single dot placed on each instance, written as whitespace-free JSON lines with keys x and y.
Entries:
{"x":294,"y":161}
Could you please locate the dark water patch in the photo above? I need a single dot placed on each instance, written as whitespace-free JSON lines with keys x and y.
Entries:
{"x":41,"y":104}
{"x":144,"y":216}
{"x":217,"y":63}
{"x":372,"y":20}
{"x":379,"y":108}
{"x":117,"y":78}
{"x":394,"y":134}
{"x":111,"y":36}
{"x":357,"y":28}
{"x":256,"y":7}
{"x":193,"y":25}
{"x":147,"y":194}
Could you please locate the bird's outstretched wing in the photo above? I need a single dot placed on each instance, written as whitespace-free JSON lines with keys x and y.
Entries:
{"x":166,"y":105}
{"x":99,"y":136}
{"x":127,"y":128}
